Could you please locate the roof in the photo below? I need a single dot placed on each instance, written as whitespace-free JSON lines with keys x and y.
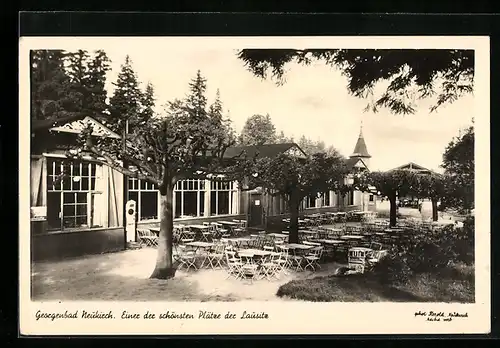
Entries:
{"x":266,"y":150}
{"x":413,"y":166}
{"x":37,"y":125}
{"x":76,"y":126}
{"x":351,"y":162}
{"x":360,"y":149}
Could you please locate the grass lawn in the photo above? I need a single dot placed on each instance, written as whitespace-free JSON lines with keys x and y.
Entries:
{"x":451,"y":285}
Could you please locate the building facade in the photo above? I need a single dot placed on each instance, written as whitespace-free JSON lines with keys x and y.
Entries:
{"x":78,"y":206}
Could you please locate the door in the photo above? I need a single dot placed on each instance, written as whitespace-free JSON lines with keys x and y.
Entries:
{"x":255,"y":210}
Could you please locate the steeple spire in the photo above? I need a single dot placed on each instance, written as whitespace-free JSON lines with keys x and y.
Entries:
{"x":360,"y":149}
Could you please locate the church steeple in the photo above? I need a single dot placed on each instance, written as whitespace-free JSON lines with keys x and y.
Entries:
{"x":360,"y":150}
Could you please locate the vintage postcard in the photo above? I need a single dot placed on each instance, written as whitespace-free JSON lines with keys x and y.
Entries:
{"x":254,"y":185}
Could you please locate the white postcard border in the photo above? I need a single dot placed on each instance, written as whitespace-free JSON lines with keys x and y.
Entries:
{"x":285,"y":317}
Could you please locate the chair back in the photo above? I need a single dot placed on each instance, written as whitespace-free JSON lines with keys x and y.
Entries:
{"x":142,"y":232}
{"x":356,"y":255}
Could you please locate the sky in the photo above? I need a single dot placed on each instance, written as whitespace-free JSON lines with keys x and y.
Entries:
{"x":313,"y":102}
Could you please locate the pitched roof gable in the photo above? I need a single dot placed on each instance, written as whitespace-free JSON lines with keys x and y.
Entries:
{"x":351,"y":162}
{"x":266,"y":150}
{"x":76,"y":126}
{"x":413,"y":166}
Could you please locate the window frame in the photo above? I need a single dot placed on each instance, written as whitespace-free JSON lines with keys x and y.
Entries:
{"x":60,"y":162}
{"x":137,"y":187}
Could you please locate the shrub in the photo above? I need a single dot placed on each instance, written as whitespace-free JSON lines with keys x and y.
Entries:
{"x":393,"y":269}
{"x":428,"y":252}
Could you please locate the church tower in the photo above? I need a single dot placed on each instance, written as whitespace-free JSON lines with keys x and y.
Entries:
{"x":360,"y":150}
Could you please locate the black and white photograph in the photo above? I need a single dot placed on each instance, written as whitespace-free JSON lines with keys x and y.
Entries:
{"x":247,"y":174}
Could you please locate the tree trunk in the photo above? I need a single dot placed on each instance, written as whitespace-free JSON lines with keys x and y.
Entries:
{"x":393,"y":211}
{"x":434,"y":209}
{"x":293,"y":234}
{"x":164,"y":268}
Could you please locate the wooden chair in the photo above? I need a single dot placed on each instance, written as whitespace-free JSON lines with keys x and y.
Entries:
{"x":357,"y":259}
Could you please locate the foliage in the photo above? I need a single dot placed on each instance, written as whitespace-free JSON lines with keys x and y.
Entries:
{"x":457,"y":286}
{"x":311,"y":147}
{"x":188,"y":141}
{"x":411,"y":74}
{"x":458,"y":163}
{"x":293,"y":178}
{"x":147,"y":104}
{"x":65,"y":84}
{"x":307,"y":176}
{"x":281,"y":138}
{"x":52,"y":96}
{"x":258,"y":130}
{"x":428,"y":252}
{"x":389,"y":184}
{"x":88,"y":78}
{"x":125,"y":103}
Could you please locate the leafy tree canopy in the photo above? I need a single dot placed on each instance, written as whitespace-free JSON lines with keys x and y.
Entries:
{"x":458,"y":163}
{"x":125,"y":104}
{"x":307,"y":176}
{"x":66,"y":84}
{"x":412,"y":74}
{"x":311,"y":147}
{"x":258,"y":130}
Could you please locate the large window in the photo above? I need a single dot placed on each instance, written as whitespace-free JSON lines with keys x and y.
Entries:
{"x":74,"y":194}
{"x":309,"y":202}
{"x":223,"y":198}
{"x":189,"y":198}
{"x":146,"y":197}
{"x":350,"y":198}
{"x":325,"y":199}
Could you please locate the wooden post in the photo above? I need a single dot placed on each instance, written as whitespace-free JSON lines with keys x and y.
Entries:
{"x":125,"y":184}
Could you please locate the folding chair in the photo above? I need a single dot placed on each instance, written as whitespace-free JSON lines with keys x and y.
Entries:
{"x":280,"y":261}
{"x":286,"y":257}
{"x":221,"y":231}
{"x":207,"y":235}
{"x":240,"y":229}
{"x":215,"y":256}
{"x":296,"y":261}
{"x":249,"y":271}
{"x":234,"y":264}
{"x":268,"y":267}
{"x":313,"y":257}
{"x":147,"y":238}
{"x":187,"y":258}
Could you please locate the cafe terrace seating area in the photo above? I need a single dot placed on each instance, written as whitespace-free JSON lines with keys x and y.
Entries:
{"x":356,"y":239}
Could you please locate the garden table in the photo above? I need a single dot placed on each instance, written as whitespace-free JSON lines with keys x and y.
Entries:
{"x":251,"y":255}
{"x":277,"y":235}
{"x":331,"y":241}
{"x":229,"y":223}
{"x":390,"y":230}
{"x":352,"y":237}
{"x":298,"y":246}
{"x":199,"y":227}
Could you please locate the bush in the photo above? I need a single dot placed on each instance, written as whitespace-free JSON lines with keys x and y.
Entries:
{"x":428,"y":252}
{"x":393,"y":269}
